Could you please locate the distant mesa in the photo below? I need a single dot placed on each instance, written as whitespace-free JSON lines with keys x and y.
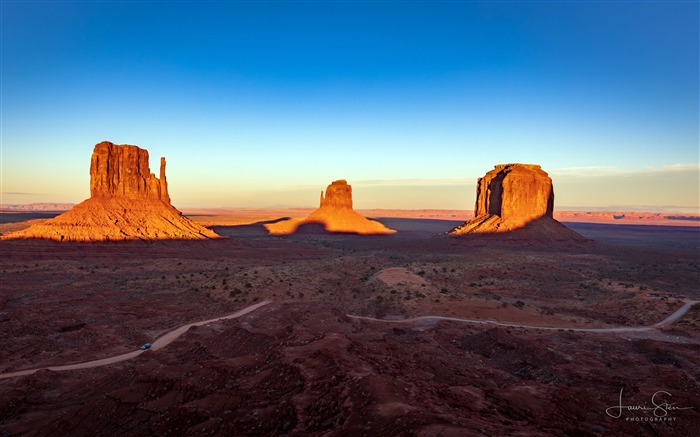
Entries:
{"x":516,"y":197}
{"x":36,"y":207}
{"x":127,"y":202}
{"x":335,"y":213}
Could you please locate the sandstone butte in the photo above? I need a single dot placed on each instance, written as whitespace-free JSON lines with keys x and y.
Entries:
{"x":127,"y":202}
{"x":516,"y":197}
{"x":335,"y":213}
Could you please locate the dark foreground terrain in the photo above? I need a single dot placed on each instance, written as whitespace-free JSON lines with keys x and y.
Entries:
{"x":302,"y":366}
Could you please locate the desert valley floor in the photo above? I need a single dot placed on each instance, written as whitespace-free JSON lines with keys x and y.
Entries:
{"x":301,"y":365}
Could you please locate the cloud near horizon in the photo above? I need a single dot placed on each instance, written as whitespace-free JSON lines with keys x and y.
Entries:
{"x":648,"y":189}
{"x":15,"y":193}
{"x":595,"y":171}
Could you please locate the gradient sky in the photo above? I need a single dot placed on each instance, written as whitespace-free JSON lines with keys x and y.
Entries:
{"x":265,"y":103}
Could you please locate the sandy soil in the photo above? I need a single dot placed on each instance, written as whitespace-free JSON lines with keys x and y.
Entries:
{"x":300,"y":366}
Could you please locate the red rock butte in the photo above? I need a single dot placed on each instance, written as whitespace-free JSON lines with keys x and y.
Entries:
{"x":516,"y":197}
{"x":127,"y":202}
{"x":335,"y":213}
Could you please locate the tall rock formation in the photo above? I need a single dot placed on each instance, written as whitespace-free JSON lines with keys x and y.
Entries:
{"x":518,"y":193}
{"x":338,"y":195}
{"x":126,"y":202}
{"x":335,"y":213}
{"x":123,"y":171}
{"x":513,"y":197}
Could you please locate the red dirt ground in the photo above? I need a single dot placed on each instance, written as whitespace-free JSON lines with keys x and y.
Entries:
{"x":300,"y":366}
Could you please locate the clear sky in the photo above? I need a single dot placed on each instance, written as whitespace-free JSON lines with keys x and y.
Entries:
{"x":265,"y":103}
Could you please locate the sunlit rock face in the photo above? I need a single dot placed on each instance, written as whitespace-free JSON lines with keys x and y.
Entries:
{"x":123,"y":171}
{"x":518,"y":193}
{"x":127,"y":202}
{"x":335,"y":213}
{"x":338,"y":195}
{"x":512,"y":197}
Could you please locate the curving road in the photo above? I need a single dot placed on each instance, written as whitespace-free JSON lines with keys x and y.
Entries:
{"x":680,"y":312}
{"x":174,"y":334}
{"x":159,"y":343}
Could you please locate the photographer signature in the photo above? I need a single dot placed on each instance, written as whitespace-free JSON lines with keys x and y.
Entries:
{"x":659,"y":408}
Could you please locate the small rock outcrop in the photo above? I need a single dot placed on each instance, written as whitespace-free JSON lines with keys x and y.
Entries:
{"x":513,"y":197}
{"x":335,"y":213}
{"x":126,"y":202}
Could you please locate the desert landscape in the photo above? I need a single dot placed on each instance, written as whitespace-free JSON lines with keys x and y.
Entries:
{"x":540,"y":329}
{"x":350,"y":218}
{"x":302,"y":366}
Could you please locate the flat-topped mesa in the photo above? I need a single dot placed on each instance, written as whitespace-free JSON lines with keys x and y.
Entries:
{"x":338,"y":195}
{"x":123,"y":171}
{"x":515,"y":192}
{"x":516,"y":197}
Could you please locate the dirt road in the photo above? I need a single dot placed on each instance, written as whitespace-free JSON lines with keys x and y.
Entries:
{"x":172,"y":335}
{"x":667,"y":321}
{"x":159,"y":343}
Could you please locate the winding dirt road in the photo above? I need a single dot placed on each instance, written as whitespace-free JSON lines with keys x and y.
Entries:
{"x":159,"y":343}
{"x":665,"y":322}
{"x":171,"y":336}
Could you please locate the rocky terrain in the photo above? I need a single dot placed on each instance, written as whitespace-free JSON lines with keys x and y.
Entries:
{"x":126,"y":202}
{"x":301,"y":366}
{"x":335,"y":214}
{"x":516,"y":197}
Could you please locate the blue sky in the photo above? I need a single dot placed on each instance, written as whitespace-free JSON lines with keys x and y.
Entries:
{"x":265,"y":103}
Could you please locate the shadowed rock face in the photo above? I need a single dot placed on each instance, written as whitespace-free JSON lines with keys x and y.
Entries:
{"x":335,"y":213}
{"x":127,"y":202}
{"x":515,"y":192}
{"x":513,"y":197}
